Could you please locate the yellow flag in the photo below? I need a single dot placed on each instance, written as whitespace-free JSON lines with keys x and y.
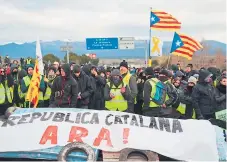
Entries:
{"x":33,"y":90}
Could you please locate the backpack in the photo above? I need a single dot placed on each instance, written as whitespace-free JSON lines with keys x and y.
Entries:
{"x":160,"y":94}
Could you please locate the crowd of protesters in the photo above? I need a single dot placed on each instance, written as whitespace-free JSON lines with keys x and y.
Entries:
{"x":152,"y":91}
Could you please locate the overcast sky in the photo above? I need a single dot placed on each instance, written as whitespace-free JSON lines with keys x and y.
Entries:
{"x":24,"y":20}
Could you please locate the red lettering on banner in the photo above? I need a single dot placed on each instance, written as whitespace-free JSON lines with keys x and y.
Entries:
{"x":77,"y":133}
{"x":125,"y":135}
{"x":49,"y":134}
{"x":103,"y":135}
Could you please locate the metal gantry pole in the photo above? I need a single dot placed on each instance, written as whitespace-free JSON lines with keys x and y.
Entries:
{"x":67,"y":51}
{"x":145,"y":48}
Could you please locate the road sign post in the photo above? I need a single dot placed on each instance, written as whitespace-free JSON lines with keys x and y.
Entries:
{"x":66,"y":49}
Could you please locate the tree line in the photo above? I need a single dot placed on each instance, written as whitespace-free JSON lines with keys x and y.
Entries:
{"x":73,"y":57}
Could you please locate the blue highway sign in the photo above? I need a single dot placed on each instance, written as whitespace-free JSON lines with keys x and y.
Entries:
{"x":101,"y":43}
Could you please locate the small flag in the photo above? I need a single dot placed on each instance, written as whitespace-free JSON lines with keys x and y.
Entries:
{"x":33,"y":90}
{"x":39,"y":56}
{"x":184,"y":46}
{"x":160,"y":20}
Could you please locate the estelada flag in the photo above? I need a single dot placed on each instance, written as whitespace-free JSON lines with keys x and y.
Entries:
{"x":33,"y":90}
{"x":163,"y":21}
{"x":184,"y":46}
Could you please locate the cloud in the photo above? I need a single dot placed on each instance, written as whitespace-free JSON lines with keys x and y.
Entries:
{"x":24,"y":20}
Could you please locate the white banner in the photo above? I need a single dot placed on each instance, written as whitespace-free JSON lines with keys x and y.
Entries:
{"x":33,"y":129}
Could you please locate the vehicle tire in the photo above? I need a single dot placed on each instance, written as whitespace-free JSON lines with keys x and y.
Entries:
{"x":9,"y":111}
{"x":148,"y":155}
{"x":67,"y":149}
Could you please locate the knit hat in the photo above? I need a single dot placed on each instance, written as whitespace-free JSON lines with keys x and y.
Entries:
{"x":149,"y":71}
{"x":115,"y":72}
{"x":76,"y":69}
{"x":179,"y":74}
{"x":192,"y":79}
{"x":164,"y":72}
{"x":124,"y":64}
{"x":29,"y":66}
{"x":174,"y":68}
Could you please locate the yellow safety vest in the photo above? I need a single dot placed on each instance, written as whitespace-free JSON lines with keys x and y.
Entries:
{"x":47,"y":93}
{"x":182,"y":109}
{"x":6,"y":92}
{"x":118,"y":102}
{"x":20,"y":93}
{"x":27,"y":81}
{"x":215,"y":83}
{"x":28,"y":61}
{"x":153,"y":85}
{"x":126,"y":82}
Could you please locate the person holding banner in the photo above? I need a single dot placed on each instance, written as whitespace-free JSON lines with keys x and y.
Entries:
{"x":64,"y":90}
{"x":159,"y":95}
{"x":129,"y":80}
{"x":117,"y":94}
{"x":6,"y":91}
{"x":220,"y":96}
{"x":203,"y":96}
{"x":49,"y":82}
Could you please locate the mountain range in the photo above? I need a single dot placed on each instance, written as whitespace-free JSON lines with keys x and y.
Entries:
{"x":28,"y":49}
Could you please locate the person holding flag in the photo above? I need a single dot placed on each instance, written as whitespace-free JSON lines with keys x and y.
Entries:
{"x":33,"y":86}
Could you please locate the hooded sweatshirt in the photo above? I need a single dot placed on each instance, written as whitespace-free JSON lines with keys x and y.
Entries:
{"x":203,"y":95}
{"x":84,"y":86}
{"x":64,"y":90}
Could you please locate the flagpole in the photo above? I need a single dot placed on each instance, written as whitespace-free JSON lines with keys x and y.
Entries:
{"x":168,"y":60}
{"x":149,"y":46}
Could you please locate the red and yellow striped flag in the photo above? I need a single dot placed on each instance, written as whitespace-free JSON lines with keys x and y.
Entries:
{"x":184,"y":46}
{"x":33,"y":90}
{"x":161,"y":20}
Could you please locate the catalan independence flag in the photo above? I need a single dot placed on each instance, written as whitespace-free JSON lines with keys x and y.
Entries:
{"x":184,"y":46}
{"x":160,"y":20}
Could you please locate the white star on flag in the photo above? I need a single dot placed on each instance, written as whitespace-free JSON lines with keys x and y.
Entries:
{"x":178,"y":43}
{"x":153,"y":19}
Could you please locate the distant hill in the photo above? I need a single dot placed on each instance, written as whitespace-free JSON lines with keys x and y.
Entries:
{"x":28,"y":49}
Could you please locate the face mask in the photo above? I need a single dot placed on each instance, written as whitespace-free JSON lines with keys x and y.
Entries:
{"x":51,"y":77}
{"x":156,"y":75}
{"x":208,"y":80}
{"x":116,"y":80}
{"x":190,"y":88}
{"x":163,"y":78}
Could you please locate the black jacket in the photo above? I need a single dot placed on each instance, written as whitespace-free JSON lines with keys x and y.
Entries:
{"x":140,"y":85}
{"x":98,"y":95}
{"x":186,"y":98}
{"x":203,"y":96}
{"x":64,"y":91}
{"x":220,"y":97}
{"x":84,"y":88}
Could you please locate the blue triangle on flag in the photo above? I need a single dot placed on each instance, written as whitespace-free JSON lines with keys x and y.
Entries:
{"x":154,"y":19}
{"x":177,"y":42}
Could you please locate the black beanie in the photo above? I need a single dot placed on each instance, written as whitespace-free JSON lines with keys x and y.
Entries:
{"x":149,"y":71}
{"x":164,"y":72}
{"x":124,"y":64}
{"x":76,"y":69}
